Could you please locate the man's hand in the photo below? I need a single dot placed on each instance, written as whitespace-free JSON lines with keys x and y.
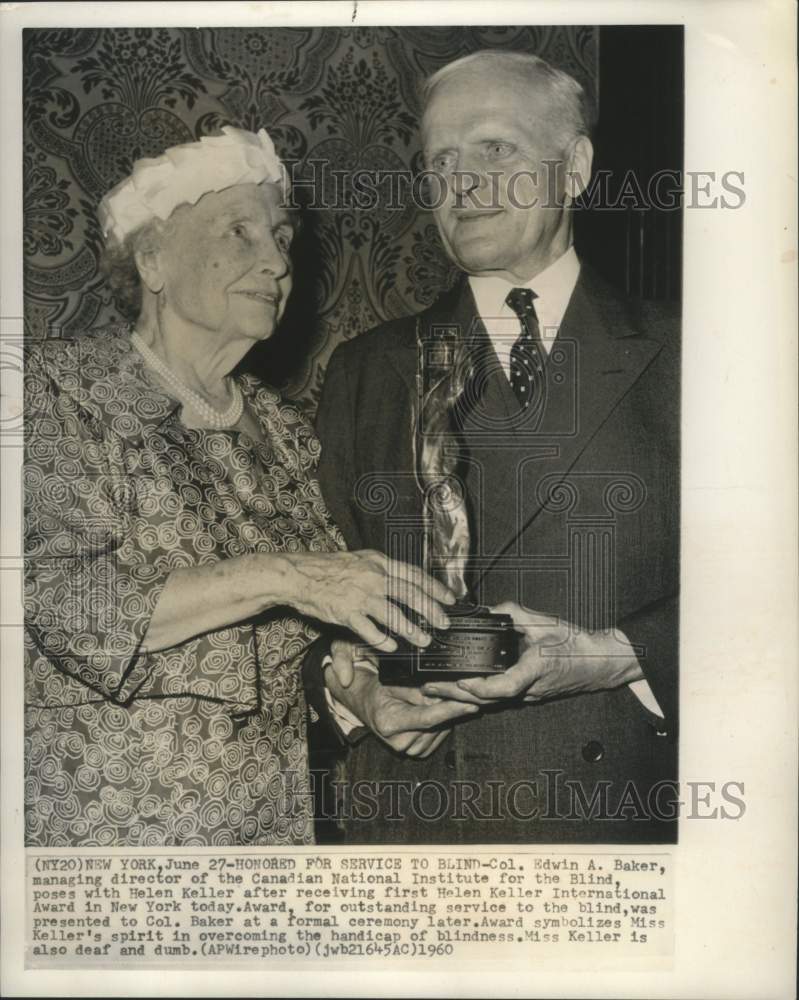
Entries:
{"x":556,"y":659}
{"x":404,"y":718}
{"x":345,"y":655}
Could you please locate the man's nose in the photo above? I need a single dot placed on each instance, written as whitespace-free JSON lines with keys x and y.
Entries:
{"x":470,"y":176}
{"x":469,"y":183}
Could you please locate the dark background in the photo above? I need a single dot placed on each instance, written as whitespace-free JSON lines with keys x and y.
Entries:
{"x":640,"y":128}
{"x":97,"y":99}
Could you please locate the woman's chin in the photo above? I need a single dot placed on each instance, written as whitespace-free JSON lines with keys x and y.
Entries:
{"x":256,"y":332}
{"x":264,"y":326}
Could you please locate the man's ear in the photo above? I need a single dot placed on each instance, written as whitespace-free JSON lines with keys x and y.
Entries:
{"x":578,"y":167}
{"x":149,"y":266}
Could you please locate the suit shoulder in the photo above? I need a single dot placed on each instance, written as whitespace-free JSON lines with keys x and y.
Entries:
{"x":371,"y":347}
{"x":656,"y":318}
{"x":396,"y":336}
{"x":659,"y":321}
{"x":659,"y":318}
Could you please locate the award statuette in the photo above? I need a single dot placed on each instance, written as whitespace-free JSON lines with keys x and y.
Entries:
{"x":478,"y":641}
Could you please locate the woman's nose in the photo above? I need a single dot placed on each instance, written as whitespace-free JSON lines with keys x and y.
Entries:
{"x":271,"y":257}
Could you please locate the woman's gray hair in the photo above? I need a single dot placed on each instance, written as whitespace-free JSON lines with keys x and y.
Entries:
{"x":118,"y":266}
{"x":572,"y":111}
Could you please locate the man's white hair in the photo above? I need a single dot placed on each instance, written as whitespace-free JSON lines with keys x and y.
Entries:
{"x":572,"y":113}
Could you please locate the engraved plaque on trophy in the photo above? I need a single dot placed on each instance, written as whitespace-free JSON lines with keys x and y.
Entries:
{"x":478,"y":641}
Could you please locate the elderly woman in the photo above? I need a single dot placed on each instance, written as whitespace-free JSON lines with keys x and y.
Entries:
{"x":178,"y":549}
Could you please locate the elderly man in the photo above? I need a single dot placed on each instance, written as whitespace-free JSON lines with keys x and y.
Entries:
{"x":572,"y":483}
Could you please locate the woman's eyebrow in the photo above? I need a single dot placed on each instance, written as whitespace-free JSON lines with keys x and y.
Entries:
{"x":234,"y":216}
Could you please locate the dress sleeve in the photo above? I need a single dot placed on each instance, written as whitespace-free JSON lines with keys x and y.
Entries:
{"x":90,"y":591}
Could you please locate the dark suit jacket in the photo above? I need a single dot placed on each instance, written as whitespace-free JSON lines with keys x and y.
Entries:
{"x":575,"y":510}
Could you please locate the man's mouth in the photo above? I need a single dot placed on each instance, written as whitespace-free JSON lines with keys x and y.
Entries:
{"x":473,"y":214}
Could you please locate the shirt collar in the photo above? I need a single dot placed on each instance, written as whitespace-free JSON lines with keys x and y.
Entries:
{"x":553,"y":288}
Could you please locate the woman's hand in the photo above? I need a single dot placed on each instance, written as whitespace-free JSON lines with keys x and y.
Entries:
{"x":360,"y":591}
{"x":354,"y":590}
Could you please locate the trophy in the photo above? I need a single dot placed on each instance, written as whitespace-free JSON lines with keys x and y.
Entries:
{"x":478,"y":641}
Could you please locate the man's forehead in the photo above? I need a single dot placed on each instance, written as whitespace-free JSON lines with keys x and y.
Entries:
{"x":470,"y":99}
{"x":483,"y":120}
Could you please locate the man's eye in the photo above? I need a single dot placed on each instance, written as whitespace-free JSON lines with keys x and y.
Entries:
{"x":239,"y":231}
{"x":496,"y":150}
{"x":443,"y":162}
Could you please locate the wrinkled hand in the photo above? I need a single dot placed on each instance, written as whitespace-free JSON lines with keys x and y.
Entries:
{"x":357,"y":591}
{"x":556,"y":659}
{"x":403,"y":718}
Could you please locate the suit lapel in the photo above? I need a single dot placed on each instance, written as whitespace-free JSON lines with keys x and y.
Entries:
{"x":598,"y":356}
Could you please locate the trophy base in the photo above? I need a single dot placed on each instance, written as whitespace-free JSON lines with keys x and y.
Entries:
{"x":477,"y":642}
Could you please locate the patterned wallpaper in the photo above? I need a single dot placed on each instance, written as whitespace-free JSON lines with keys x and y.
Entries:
{"x":95,"y":100}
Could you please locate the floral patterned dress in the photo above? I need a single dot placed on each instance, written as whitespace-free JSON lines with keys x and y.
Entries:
{"x":203,"y":743}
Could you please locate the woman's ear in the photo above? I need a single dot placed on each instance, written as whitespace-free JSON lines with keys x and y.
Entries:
{"x":148,"y":265}
{"x":578,"y":167}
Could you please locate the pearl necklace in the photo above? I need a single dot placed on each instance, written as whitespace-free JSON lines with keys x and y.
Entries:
{"x":218,"y":421}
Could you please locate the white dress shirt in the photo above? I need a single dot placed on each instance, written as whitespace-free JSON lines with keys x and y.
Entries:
{"x":553,"y":288}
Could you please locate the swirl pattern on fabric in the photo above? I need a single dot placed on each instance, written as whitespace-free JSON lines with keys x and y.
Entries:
{"x":203,"y":743}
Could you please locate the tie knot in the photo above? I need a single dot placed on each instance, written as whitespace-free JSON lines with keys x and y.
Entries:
{"x":521,"y":301}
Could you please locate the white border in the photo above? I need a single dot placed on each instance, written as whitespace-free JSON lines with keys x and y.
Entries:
{"x":735,"y":881}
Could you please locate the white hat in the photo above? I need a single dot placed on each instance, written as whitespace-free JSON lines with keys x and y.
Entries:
{"x":184,"y":174}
